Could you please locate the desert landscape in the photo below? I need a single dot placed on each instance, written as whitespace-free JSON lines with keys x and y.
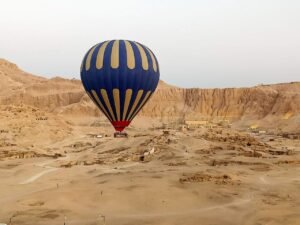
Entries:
{"x":193,"y":156}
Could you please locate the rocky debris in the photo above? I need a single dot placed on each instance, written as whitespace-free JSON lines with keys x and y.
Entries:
{"x":141,"y":135}
{"x":149,"y":152}
{"x":176,"y":164}
{"x":261,"y":168}
{"x":166,"y":132}
{"x":3,"y":131}
{"x":291,"y":135}
{"x":82,"y":163}
{"x":217,"y":148}
{"x":292,"y":162}
{"x":215,"y":162}
{"x":233,"y":137}
{"x":202,"y":177}
{"x":80,"y":146}
{"x":251,"y":154}
{"x":165,"y":138}
{"x":41,"y":118}
{"x":17,"y":154}
{"x":205,"y":151}
{"x":115,"y":150}
{"x":96,"y":135}
{"x":283,"y":151}
{"x":4,"y":143}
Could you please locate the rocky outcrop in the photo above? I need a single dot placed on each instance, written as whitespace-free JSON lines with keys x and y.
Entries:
{"x":231,"y":103}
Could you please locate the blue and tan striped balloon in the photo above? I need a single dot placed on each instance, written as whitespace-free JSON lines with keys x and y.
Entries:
{"x":120,"y":76}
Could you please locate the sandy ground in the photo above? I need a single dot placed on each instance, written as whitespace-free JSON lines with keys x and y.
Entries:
{"x":204,"y":176}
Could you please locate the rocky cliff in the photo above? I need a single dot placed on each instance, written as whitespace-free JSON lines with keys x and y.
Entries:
{"x":255,"y":102}
{"x":262,"y":104}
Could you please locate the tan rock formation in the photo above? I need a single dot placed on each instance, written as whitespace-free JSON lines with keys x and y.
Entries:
{"x":261,"y":104}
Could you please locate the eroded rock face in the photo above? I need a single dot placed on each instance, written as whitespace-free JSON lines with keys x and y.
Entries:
{"x":256,"y":102}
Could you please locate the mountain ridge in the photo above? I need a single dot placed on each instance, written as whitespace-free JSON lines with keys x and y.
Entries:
{"x":260,"y":104}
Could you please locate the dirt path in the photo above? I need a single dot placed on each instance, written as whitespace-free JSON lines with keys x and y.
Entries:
{"x":44,"y":165}
{"x":37,"y":176}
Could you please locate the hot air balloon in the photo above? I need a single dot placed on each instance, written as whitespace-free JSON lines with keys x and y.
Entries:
{"x":119,"y":76}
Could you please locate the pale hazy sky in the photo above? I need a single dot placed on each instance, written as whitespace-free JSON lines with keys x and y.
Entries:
{"x":198,"y":43}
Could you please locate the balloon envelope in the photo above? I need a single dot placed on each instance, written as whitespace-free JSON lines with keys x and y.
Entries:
{"x":120,"y":76}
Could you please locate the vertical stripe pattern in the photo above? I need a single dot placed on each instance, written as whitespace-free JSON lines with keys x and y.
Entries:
{"x":100,"y":55}
{"x":89,"y":57}
{"x":107,"y":103}
{"x":115,"y":55}
{"x":116,"y":94}
{"x":130,"y":55}
{"x":136,"y":101}
{"x":154,"y":64}
{"x":143,"y":56}
{"x":127,"y":101}
{"x":120,"y":76}
{"x":100,"y":104}
{"x":131,"y":59}
{"x":141,"y":105}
